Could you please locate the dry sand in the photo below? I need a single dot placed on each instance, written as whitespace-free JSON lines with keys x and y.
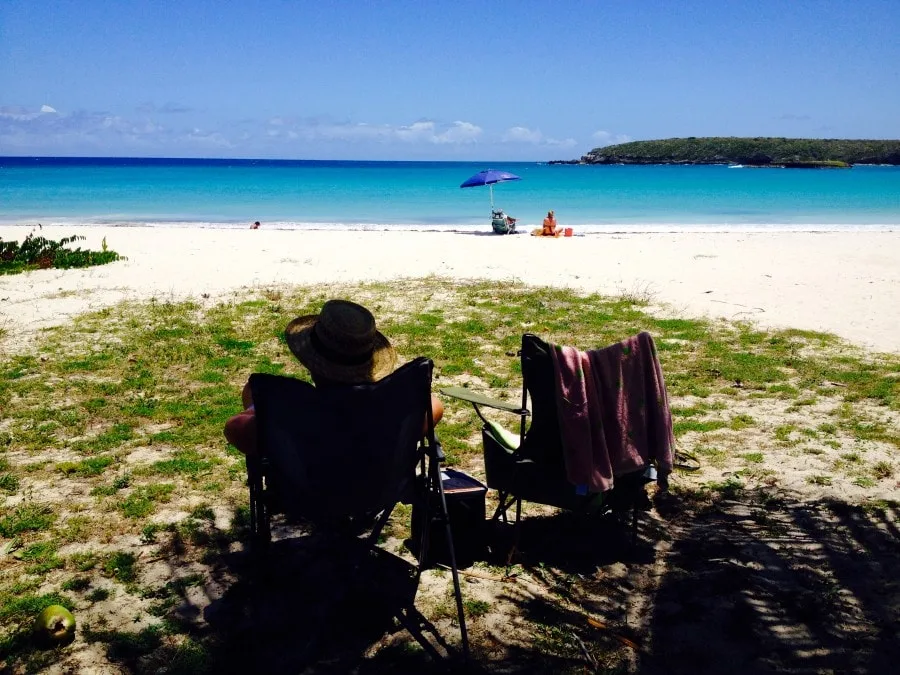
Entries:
{"x":847,"y":283}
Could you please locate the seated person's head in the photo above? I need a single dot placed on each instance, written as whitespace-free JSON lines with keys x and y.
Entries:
{"x":340,"y":345}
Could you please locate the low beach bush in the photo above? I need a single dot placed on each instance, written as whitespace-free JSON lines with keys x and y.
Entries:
{"x":36,"y":253}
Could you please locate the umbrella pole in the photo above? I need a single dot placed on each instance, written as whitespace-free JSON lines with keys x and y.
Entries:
{"x":492,"y":196}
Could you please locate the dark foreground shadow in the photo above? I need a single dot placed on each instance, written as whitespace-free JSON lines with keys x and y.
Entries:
{"x":761,"y":584}
{"x":308,"y":605}
{"x":754,"y":583}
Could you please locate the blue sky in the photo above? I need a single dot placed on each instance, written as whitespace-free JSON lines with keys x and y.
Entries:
{"x":494,"y":79}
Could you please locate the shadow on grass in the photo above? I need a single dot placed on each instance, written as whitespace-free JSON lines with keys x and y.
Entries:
{"x":759,"y":583}
{"x":754,"y":582}
{"x":313,"y":604}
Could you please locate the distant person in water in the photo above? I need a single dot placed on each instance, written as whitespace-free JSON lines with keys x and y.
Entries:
{"x":550,"y":228}
{"x":255,"y":225}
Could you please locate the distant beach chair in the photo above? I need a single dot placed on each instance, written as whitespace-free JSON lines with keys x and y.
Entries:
{"x":502,"y":223}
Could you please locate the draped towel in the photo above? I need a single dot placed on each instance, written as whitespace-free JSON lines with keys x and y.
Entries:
{"x":613,"y":412}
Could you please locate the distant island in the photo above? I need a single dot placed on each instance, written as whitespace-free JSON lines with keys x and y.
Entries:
{"x":754,"y":152}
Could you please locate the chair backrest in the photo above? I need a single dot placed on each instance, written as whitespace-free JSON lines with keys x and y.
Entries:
{"x":543,"y":442}
{"x":342,"y":451}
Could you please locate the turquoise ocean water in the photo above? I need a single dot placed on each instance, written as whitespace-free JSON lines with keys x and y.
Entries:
{"x":426,"y":195}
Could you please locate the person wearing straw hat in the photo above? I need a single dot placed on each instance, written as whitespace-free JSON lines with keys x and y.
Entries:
{"x":338,"y":346}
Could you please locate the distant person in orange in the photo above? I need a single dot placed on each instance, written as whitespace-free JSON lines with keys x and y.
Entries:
{"x":550,"y":228}
{"x":255,"y":225}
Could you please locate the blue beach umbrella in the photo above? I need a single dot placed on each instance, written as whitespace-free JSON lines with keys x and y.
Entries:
{"x":489,"y":177}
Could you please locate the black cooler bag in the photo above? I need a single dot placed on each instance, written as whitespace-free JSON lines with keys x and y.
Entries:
{"x":466,"y":507}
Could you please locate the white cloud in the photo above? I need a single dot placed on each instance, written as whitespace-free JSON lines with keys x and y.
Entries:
{"x":459,"y":133}
{"x":522,"y":135}
{"x":608,"y":138}
{"x":47,"y":109}
{"x":535,"y":137}
{"x":415,"y":132}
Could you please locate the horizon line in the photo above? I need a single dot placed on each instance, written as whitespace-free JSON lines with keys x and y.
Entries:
{"x":276,"y":159}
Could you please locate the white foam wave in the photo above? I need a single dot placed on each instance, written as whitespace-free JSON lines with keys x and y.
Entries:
{"x":580,"y":228}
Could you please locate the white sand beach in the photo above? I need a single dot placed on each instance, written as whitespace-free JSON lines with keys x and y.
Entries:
{"x":847,"y":283}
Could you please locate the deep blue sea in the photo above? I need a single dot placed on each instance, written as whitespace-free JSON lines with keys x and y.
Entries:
{"x":426,"y":195}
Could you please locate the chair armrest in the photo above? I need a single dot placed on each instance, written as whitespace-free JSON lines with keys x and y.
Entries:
{"x":479,"y":399}
{"x":435,"y":452}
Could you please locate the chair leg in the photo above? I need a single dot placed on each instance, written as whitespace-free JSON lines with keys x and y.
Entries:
{"x":500,"y":511}
{"x":380,"y":522}
{"x":260,"y":532}
{"x":444,"y":514}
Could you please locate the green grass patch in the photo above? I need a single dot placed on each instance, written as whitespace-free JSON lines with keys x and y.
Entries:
{"x":41,"y":557}
{"x":76,"y":584}
{"x":476,"y":608}
{"x":92,"y":466}
{"x":882,"y":470}
{"x":26,"y":518}
{"x":187,"y":462}
{"x":702,"y":426}
{"x":142,"y":502}
{"x":121,"y":566}
{"x":742,"y":421}
{"x":98,"y":595}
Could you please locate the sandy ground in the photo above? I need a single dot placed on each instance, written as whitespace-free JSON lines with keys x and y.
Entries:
{"x":845,"y":283}
{"x":787,"y":576}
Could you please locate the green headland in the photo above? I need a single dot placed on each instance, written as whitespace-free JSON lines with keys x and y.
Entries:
{"x":762,"y":152}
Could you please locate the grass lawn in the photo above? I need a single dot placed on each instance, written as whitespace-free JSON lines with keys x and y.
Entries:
{"x":119,"y":494}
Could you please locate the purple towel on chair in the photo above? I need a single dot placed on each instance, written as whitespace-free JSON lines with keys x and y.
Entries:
{"x":613,"y":411}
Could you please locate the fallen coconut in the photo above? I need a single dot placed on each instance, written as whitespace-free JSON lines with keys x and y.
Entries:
{"x":55,"y":625}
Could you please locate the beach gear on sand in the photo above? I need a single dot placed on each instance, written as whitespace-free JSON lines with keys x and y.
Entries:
{"x":539,"y":232}
{"x":489,"y":177}
{"x":341,"y":344}
{"x":501,"y":223}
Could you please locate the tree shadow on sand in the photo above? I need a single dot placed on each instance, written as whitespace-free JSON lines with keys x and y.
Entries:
{"x":753,"y":582}
{"x":762,"y":583}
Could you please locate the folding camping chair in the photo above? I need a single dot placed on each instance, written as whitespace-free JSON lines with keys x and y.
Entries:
{"x":530,"y":465}
{"x":341,"y":457}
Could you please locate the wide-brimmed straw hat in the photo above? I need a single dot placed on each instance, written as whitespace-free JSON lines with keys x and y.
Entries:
{"x":341,"y":344}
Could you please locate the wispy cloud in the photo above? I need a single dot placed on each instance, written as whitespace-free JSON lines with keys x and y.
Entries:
{"x":791,"y":117}
{"x":420,"y":132}
{"x":603,"y":138}
{"x":150,"y":108}
{"x":152,"y":130}
{"x":47,"y":130}
{"x":20,"y":113}
{"x":535,"y":137}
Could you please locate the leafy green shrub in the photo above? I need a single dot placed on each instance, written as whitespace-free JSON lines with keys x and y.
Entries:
{"x":42,"y":253}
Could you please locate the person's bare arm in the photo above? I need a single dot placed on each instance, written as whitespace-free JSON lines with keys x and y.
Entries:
{"x":240,"y":431}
